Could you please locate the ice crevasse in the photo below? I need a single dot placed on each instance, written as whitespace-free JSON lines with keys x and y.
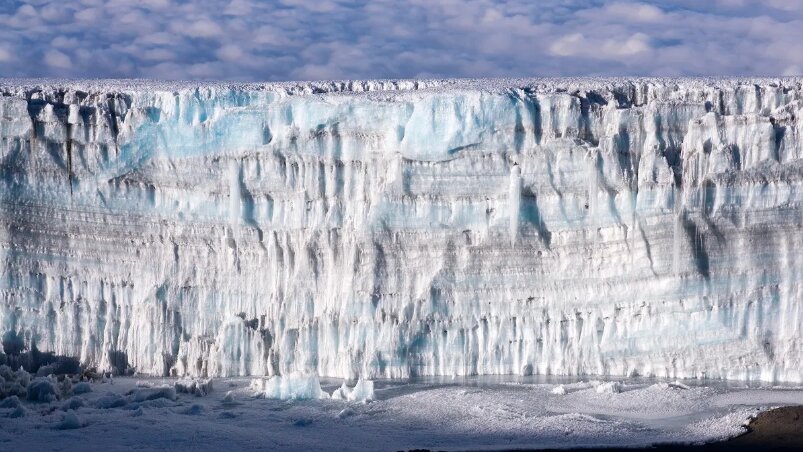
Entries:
{"x":391,"y":229}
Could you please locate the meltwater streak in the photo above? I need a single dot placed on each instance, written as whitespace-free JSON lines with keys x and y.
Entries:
{"x":406,"y":228}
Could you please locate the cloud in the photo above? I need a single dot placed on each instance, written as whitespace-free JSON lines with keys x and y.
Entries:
{"x":230,"y":52}
{"x":57,"y":59}
{"x":238,"y":8}
{"x":203,"y":28}
{"x":5,"y":54}
{"x":576,"y":44}
{"x":89,"y":15}
{"x":26,"y":10}
{"x":569,"y":45}
{"x":793,"y":70}
{"x":314,"y":39}
{"x":155,"y":4}
{"x":637,"y":12}
{"x":786,"y":5}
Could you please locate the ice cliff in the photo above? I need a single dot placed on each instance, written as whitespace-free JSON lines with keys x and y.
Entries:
{"x":403,"y":228}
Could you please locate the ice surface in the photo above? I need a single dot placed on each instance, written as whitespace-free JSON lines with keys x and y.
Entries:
{"x":404,"y":228}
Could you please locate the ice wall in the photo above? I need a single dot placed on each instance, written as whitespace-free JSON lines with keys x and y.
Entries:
{"x":394,"y":229}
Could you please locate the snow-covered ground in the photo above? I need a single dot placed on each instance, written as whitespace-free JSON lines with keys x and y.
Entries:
{"x":472,"y":413}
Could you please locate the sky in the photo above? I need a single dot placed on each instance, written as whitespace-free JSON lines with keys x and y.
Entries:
{"x":271,"y":40}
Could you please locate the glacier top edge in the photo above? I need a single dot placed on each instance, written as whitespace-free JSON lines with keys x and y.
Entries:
{"x":541,"y":84}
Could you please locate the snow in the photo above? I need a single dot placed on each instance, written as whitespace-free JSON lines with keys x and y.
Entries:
{"x":479,"y":413}
{"x":395,"y":228}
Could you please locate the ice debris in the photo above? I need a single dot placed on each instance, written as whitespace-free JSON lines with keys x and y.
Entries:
{"x":229,"y":397}
{"x":13,"y":383}
{"x":69,"y":421}
{"x":363,"y":391}
{"x":199,"y":387}
{"x":145,"y":394}
{"x":81,"y":388}
{"x":559,"y":390}
{"x":194,"y":410}
{"x":673,"y":385}
{"x":10,"y":402}
{"x":611,"y":387}
{"x":110,"y":400}
{"x":295,"y":386}
{"x":42,"y":389}
{"x":73,"y":404}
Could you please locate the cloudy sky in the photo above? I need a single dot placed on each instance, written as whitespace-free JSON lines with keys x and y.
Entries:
{"x":343,"y":39}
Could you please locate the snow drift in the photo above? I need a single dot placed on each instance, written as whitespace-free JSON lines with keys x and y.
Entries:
{"x":394,"y":229}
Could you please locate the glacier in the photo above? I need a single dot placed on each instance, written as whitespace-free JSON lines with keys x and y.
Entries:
{"x":396,"y":229}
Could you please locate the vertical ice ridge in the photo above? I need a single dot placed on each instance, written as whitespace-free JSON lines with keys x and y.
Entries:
{"x":514,"y":202}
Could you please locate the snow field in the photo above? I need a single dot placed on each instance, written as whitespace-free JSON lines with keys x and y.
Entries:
{"x":474,"y":413}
